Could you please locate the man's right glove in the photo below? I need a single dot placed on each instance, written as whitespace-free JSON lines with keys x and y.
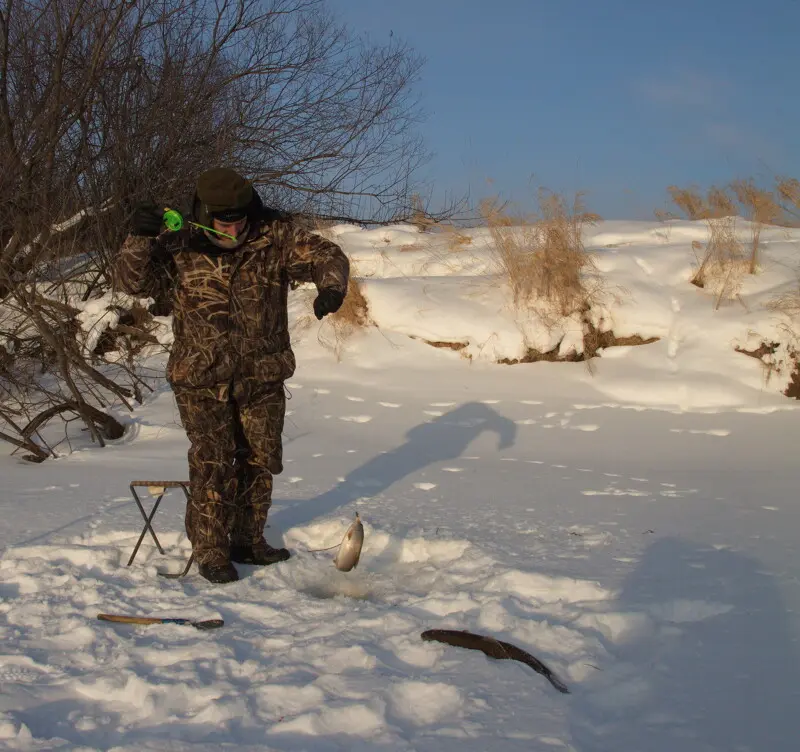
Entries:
{"x":146,"y":220}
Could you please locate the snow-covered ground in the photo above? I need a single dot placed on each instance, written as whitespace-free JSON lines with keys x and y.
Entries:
{"x":634,"y":527}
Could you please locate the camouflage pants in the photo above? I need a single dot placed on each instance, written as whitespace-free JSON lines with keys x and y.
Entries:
{"x":235,"y":437}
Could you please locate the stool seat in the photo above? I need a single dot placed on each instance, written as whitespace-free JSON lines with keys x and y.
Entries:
{"x":161,"y":483}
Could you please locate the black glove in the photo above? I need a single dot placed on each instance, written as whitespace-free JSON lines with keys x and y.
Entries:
{"x":328,"y":301}
{"x":147,"y":220}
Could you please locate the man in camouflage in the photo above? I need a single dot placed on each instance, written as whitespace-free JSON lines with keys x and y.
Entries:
{"x":231,"y":352}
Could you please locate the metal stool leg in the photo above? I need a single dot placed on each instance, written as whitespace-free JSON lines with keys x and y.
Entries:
{"x":148,"y":520}
{"x":178,"y":575}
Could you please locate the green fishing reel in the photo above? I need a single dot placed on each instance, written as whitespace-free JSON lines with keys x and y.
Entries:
{"x":173,"y":221}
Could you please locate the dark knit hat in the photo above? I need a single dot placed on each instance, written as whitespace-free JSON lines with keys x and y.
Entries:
{"x":224,"y":194}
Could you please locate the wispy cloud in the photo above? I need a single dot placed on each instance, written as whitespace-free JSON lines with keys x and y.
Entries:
{"x":703,"y":106}
{"x":685,"y":89}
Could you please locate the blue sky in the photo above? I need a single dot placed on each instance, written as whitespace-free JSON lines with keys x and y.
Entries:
{"x":620,"y":98}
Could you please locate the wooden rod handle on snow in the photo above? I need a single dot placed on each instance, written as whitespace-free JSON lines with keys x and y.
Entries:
{"x":208,"y":624}
{"x":129,"y":619}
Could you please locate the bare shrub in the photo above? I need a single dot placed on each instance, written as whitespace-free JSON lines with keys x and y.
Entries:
{"x":105,"y":103}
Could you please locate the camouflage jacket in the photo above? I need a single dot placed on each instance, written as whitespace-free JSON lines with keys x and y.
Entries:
{"x":230,"y":307}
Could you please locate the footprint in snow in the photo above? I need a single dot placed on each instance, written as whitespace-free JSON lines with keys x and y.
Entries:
{"x":389,"y":404}
{"x":355,"y":399}
{"x":707,"y":431}
{"x":612,"y":491}
{"x":425,"y":486}
{"x":356,"y":418}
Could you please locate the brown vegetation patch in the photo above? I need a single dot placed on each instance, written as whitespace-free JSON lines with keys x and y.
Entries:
{"x":536,"y":356}
{"x":793,"y":390}
{"x":354,"y":313}
{"x":592,"y":342}
{"x":765,"y":348}
{"x":443,"y":345}
{"x":770,"y":348}
{"x":352,"y":317}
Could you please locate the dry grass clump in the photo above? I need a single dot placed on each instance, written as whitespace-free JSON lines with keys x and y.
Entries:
{"x":723,"y":264}
{"x":784,"y":357}
{"x":761,"y":208}
{"x":420,"y":217}
{"x":724,"y":261}
{"x":720,"y":263}
{"x":456,"y":239}
{"x":354,"y":313}
{"x":788,"y":190}
{"x":787,"y":303}
{"x":689,"y":201}
{"x":352,"y":317}
{"x":543,"y":259}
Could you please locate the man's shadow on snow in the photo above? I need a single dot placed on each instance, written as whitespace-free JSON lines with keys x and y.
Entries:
{"x":714,"y":667}
{"x":444,"y":438}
